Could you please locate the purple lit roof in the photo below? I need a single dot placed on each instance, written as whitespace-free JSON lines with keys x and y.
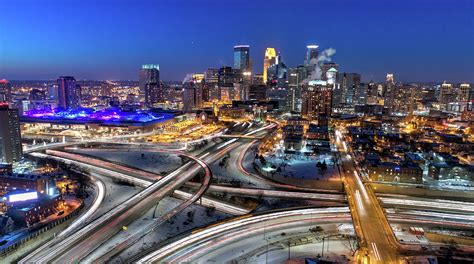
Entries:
{"x":87,"y":115}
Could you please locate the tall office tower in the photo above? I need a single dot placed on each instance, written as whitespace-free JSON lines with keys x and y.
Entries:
{"x":446,"y":95}
{"x":242,"y":58}
{"x":198,"y":80}
{"x":5,"y":91}
{"x":150,"y":85}
{"x":311,"y":55}
{"x":404,"y":101}
{"x":389,"y":91}
{"x":277,"y":73}
{"x":226,"y":84}
{"x":349,"y":83}
{"x":317,"y":99}
{"x":295,"y":76}
{"x":10,"y":137}
{"x":69,"y":93}
{"x":464,"y":92}
{"x":372,"y":93}
{"x":192,"y":95}
{"x":269,"y":60}
{"x":211,"y":86}
{"x":53,"y":92}
{"x":360,"y":94}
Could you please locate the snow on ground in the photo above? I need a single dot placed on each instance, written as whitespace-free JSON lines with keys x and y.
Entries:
{"x":155,"y":162}
{"x":272,"y":247}
{"x":177,"y":225}
{"x":300,"y":166}
{"x":115,"y":194}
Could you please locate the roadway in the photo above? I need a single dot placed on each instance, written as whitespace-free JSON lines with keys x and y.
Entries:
{"x":207,"y":242}
{"x":147,"y":178}
{"x":74,"y":247}
{"x":133,"y":176}
{"x":379,"y":243}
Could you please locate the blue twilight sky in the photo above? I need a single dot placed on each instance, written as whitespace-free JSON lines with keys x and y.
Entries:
{"x":418,"y":40}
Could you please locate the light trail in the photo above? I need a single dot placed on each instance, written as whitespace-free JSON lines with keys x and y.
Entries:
{"x":209,"y":233}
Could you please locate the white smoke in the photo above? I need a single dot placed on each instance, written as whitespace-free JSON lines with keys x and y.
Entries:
{"x":188,"y":78}
{"x":325,"y":56}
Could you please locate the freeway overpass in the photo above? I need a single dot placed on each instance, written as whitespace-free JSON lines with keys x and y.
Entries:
{"x":145,"y":179}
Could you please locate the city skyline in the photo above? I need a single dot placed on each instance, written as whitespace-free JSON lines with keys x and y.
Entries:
{"x":115,"y":40}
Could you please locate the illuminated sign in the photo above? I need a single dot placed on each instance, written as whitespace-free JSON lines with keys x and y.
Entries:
{"x":22,"y":197}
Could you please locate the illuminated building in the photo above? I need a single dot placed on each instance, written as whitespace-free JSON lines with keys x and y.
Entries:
{"x":295,"y":77}
{"x":192,"y":93}
{"x":349,"y":83}
{"x":150,"y":84}
{"x":317,"y":99}
{"x":36,"y":208}
{"x":226,"y":84}
{"x":69,"y":93}
{"x":5,"y":91}
{"x":269,"y":60}
{"x":311,"y":55}
{"x":258,"y":92}
{"x":446,"y":94}
{"x":106,"y":88}
{"x":40,"y":183}
{"x":389,"y":92}
{"x":53,"y":92}
{"x":10,"y":137}
{"x":276,"y":73}
{"x":293,"y":137}
{"x":464,"y":92}
{"x":242,"y":58}
{"x":211,"y":85}
{"x":89,"y":119}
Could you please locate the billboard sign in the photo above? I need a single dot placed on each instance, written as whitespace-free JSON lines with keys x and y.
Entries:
{"x":20,"y":197}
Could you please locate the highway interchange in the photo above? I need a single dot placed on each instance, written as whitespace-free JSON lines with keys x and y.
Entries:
{"x":359,"y":205}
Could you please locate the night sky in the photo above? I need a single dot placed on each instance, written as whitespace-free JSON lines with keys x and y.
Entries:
{"x":428,"y":40}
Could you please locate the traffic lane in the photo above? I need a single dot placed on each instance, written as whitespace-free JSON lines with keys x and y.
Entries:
{"x":208,"y":232}
{"x":77,"y":252}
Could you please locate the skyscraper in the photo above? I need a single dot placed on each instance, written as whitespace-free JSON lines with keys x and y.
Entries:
{"x":211,"y":85}
{"x":10,"y":138}
{"x":311,"y":54}
{"x":5,"y":91}
{"x":69,"y":93}
{"x":150,"y":84}
{"x":446,"y":95}
{"x":464,"y":92}
{"x":269,"y":60}
{"x":349,"y":84}
{"x":242,"y":58}
{"x":276,"y":73}
{"x":389,"y":92}
{"x":226,"y":84}
{"x":317,"y":100}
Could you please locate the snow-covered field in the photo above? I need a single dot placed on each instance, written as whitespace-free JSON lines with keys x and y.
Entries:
{"x":192,"y":217}
{"x":299,"y":166}
{"x":155,"y":162}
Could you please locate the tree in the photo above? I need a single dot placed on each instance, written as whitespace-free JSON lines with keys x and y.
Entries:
{"x":210,"y":210}
{"x":351,"y":243}
{"x":316,"y":229}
